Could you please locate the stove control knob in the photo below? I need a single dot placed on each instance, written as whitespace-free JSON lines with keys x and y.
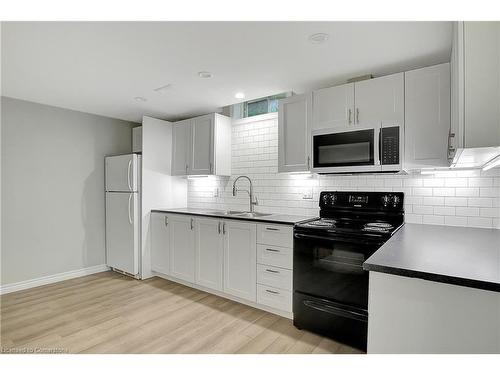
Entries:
{"x":385,"y":200}
{"x":326,"y":199}
{"x":395,"y":201}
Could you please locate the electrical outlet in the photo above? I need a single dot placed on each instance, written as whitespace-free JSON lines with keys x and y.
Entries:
{"x":307,"y":194}
{"x":215,"y":192}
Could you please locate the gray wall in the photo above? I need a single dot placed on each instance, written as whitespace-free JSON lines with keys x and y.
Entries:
{"x":53,"y":187}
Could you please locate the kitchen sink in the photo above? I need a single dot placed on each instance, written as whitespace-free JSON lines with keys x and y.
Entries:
{"x":241,"y":213}
{"x":251,"y":214}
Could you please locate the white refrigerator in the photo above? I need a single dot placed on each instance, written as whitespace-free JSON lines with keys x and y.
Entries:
{"x":123,"y":215}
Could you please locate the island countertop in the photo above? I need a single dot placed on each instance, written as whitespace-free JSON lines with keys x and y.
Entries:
{"x":455,"y":255}
{"x":272,"y":218}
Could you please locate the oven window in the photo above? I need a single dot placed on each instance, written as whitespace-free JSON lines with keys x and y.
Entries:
{"x":332,"y":270}
{"x":344,"y":149}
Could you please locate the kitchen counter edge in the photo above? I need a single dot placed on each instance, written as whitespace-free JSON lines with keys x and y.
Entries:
{"x":272,"y":218}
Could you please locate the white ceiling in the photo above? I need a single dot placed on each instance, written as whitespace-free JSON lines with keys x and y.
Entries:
{"x":99,"y":67}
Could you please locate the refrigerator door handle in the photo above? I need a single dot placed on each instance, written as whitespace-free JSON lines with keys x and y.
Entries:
{"x":130,"y":216}
{"x":128,"y":174}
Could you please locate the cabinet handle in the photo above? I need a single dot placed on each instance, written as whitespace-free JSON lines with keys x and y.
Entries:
{"x":308,"y":163}
{"x":186,"y":168}
{"x":350,"y":113}
{"x":269,"y":228}
{"x":272,"y":291}
{"x":210,"y":167}
{"x":272,"y":271}
{"x":357,"y":115}
{"x":166,"y":220}
{"x":273,"y":250}
{"x":192,"y":223}
{"x":218,"y":227}
{"x":224,"y":228}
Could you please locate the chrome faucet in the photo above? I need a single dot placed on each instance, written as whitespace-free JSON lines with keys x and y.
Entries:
{"x":253,"y":200}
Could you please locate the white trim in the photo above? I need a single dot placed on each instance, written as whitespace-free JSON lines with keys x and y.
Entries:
{"x":285,"y":314}
{"x":44,"y":280}
{"x":263,"y":117}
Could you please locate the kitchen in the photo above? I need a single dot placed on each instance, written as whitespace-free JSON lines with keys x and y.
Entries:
{"x":358,"y":215}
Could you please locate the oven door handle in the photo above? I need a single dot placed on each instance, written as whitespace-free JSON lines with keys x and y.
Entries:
{"x":333,"y":239}
{"x":335,"y":310}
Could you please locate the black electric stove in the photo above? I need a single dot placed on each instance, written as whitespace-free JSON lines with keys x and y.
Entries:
{"x":330,"y":294}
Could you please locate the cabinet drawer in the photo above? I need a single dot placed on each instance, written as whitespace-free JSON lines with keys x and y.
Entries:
{"x":274,"y":297}
{"x":275,"y":256}
{"x":274,"y":276}
{"x":278,"y":235}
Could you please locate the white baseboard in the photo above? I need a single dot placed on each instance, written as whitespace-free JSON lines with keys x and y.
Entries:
{"x":14,"y":287}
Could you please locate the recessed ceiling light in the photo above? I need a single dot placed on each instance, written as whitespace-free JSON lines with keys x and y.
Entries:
{"x":239,"y":95}
{"x":318,"y":38}
{"x":205,"y":74}
{"x":163,"y":88}
{"x":140,"y":99}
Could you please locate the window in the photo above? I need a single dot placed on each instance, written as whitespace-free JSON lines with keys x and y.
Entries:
{"x":257,"y":107}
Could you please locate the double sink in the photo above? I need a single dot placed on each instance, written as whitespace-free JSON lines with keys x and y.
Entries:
{"x":241,"y":213}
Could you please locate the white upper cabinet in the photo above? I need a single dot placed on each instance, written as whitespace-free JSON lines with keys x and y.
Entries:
{"x":181,"y":140}
{"x":209,"y":244}
{"x":294,"y":133}
{"x":203,"y":146}
{"x":240,"y":259}
{"x":427,"y":117}
{"x":333,"y":106}
{"x":160,"y":243}
{"x":202,"y":139}
{"x":482,"y":84}
{"x":379,"y":101}
{"x":182,"y":250}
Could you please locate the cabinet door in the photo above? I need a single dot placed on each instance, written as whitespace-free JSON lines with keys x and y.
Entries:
{"x":293,"y":134}
{"x":182,"y":252}
{"x":240,"y":259}
{"x":209,"y":244}
{"x":160,"y":243}
{"x":482,"y":84}
{"x":181,"y":144}
{"x":333,"y":106}
{"x":380,"y":100}
{"x":427,"y":116}
{"x":202,"y":151}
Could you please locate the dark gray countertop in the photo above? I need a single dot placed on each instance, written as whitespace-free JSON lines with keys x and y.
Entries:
{"x":454,"y":255}
{"x":273,"y":218}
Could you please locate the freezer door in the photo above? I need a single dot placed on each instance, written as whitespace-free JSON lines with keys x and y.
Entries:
{"x":121,"y":173}
{"x":122,"y":231}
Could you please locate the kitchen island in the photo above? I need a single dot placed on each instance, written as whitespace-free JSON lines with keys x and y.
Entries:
{"x":435,"y":289}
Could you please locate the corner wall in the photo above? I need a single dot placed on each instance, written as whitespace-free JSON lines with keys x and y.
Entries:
{"x":52,"y":197}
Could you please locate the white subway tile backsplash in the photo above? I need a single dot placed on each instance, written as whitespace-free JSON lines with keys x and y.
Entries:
{"x":458,"y":198}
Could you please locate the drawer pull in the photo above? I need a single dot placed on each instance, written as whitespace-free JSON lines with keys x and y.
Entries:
{"x":269,"y":228}
{"x":272,"y":271}
{"x":273,"y":250}
{"x":272,"y":291}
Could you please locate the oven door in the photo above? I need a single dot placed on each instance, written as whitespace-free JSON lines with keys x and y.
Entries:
{"x":346,"y":150}
{"x":331,"y":268}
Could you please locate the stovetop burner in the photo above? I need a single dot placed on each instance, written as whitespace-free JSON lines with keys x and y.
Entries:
{"x":321,"y":223}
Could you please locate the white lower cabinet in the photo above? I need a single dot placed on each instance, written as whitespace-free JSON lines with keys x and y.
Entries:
{"x":236,"y":257}
{"x":240,"y":259}
{"x":209,"y":244}
{"x":160,"y":243}
{"x":274,"y":297}
{"x":182,"y":251}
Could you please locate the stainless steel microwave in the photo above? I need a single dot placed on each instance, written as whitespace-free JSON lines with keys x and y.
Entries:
{"x":356,"y":149}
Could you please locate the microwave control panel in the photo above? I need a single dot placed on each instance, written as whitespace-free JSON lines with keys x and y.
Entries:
{"x":389,"y":145}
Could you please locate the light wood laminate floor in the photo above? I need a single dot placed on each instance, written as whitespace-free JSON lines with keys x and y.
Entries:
{"x":111,"y":313}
